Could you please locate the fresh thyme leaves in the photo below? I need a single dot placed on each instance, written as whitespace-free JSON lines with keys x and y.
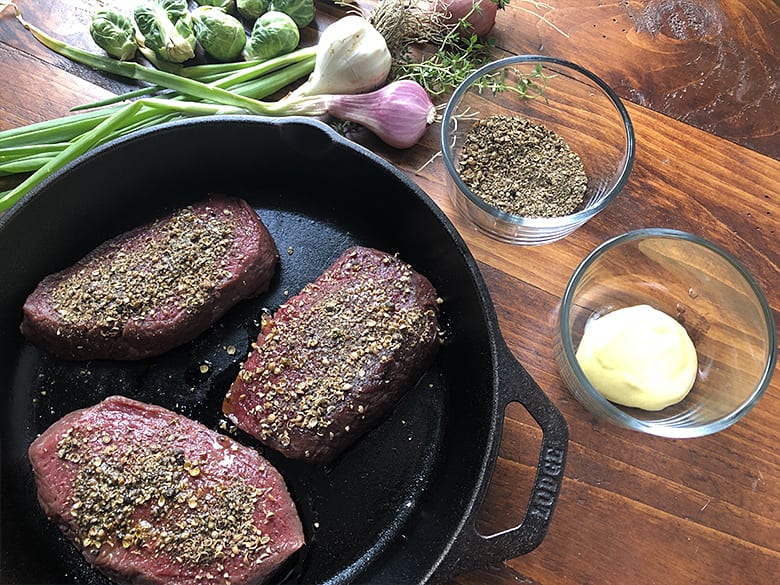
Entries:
{"x":527,"y":86}
{"x":426,"y":48}
{"x":453,"y":61}
{"x":444,"y":71}
{"x":439,"y":56}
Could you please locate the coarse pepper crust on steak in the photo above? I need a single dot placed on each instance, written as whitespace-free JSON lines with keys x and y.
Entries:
{"x":334,"y":359}
{"x":150,"y":496}
{"x":155,"y":287}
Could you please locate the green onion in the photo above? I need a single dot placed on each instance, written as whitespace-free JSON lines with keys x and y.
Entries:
{"x":345,"y":56}
{"x":60,"y":130}
{"x":72,"y":152}
{"x":232,"y":88}
{"x":133,"y":70}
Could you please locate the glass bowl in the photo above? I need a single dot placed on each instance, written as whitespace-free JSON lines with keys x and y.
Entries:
{"x":711,"y":294}
{"x":562,"y":98}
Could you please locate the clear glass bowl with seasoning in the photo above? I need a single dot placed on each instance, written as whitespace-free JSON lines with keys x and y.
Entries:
{"x":534,"y":147}
{"x":706,"y":291}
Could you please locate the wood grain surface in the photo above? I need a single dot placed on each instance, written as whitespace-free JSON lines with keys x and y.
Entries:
{"x":711,"y":64}
{"x":699,"y":79}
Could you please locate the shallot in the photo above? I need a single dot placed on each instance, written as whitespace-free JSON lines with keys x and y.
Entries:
{"x":398,"y":113}
{"x":479,"y":14}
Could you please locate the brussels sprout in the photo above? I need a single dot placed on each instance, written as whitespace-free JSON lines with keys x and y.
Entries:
{"x":165,"y":27}
{"x":273,"y":34}
{"x":114,"y":33}
{"x":222,"y":36}
{"x":252,"y":9}
{"x":226,"y":5}
{"x":301,"y":11}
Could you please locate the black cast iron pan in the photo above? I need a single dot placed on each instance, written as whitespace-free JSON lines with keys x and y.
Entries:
{"x":399,"y":507}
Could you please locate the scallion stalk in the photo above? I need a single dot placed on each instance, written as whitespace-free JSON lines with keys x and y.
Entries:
{"x":119,"y":98}
{"x":225,"y":90}
{"x":50,"y":131}
{"x":227,"y":76}
{"x":16,"y":152}
{"x":138,"y":72}
{"x":72,"y":152}
{"x":25,"y":164}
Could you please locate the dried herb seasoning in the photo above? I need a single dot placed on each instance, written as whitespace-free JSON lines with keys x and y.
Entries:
{"x":194,"y":522}
{"x":522,"y":167}
{"x":345,"y":335}
{"x":178,"y":267}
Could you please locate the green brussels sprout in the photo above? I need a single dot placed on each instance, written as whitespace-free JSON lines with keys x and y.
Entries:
{"x":176,"y":10}
{"x":252,"y":9}
{"x":226,"y":5}
{"x":301,"y":11}
{"x":222,"y":36}
{"x":114,"y":33}
{"x":166,"y":31}
{"x":273,"y":34}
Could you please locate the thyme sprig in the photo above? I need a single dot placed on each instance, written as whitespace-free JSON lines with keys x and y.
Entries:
{"x":450,"y":64}
{"x":456,"y":56}
{"x":527,"y":87}
{"x":448,"y":67}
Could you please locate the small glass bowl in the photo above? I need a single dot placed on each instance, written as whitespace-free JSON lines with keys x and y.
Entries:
{"x":575,"y":104}
{"x":711,"y":294}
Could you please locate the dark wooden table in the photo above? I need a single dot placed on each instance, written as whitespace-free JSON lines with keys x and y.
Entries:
{"x":699,"y":79}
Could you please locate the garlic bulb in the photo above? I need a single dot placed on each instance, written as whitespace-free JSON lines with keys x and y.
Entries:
{"x":352,"y":57}
{"x":398,"y":113}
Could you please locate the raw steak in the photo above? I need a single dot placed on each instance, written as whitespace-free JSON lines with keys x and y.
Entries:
{"x":155,"y":287}
{"x":334,"y":359}
{"x":152,"y":497}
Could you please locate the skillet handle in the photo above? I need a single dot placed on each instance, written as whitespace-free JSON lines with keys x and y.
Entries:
{"x":473,"y":550}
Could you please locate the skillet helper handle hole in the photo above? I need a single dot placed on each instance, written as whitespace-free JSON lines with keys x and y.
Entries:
{"x":479,"y":551}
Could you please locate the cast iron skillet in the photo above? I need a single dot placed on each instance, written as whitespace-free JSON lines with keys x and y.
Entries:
{"x":399,"y":507}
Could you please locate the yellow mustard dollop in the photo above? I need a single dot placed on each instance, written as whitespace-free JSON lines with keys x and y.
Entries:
{"x":638,"y":356}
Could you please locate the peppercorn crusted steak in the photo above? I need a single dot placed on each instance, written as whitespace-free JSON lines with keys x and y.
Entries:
{"x":152,"y":497}
{"x":155,"y":287}
{"x":334,"y":359}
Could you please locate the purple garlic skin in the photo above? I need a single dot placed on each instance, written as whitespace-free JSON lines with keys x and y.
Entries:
{"x":398,"y":113}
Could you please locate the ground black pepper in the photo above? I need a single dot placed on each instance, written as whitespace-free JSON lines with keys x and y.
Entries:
{"x":192,"y":522}
{"x":331,"y":347}
{"x":179,"y":266}
{"x":522,"y":168}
